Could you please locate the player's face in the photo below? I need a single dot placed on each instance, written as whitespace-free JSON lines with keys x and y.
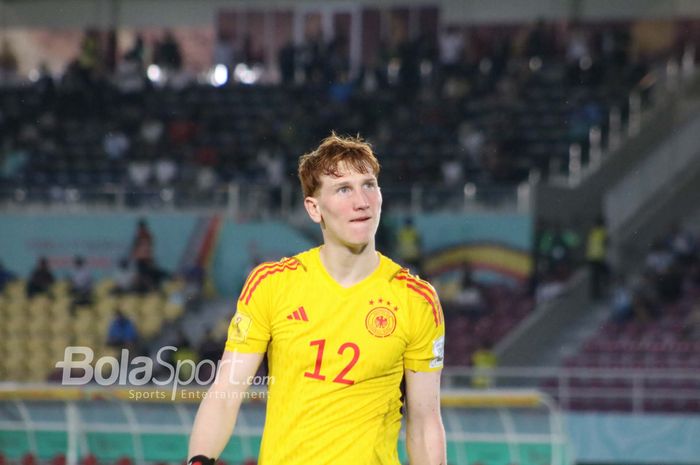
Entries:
{"x":348,"y":207}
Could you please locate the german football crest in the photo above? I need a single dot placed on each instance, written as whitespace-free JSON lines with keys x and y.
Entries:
{"x":380,"y":322}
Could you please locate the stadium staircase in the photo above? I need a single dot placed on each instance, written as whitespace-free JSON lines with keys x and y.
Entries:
{"x":558,"y":328}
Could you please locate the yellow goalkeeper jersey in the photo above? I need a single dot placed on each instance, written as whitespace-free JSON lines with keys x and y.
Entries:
{"x":336,"y":357}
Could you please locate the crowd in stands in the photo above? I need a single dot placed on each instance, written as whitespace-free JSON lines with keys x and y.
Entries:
{"x":478,"y":108}
{"x":654,"y":312}
{"x":671,"y":270}
{"x":125,"y":310}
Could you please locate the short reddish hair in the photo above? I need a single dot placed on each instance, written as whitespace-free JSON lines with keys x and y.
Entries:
{"x":326,"y":159}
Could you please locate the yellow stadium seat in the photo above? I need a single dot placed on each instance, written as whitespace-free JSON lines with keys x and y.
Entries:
{"x":17,"y":307}
{"x":16,"y":289}
{"x":172,"y":310}
{"x":60,"y":288}
{"x":61,"y":325}
{"x":172,"y":286}
{"x":39,"y":327}
{"x":16,"y":325}
{"x":37,"y":374}
{"x":106,"y":304}
{"x":129,"y":303}
{"x":57,"y":346}
{"x":104,"y":288}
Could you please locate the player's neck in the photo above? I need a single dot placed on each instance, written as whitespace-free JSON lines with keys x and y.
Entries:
{"x":348,"y":266}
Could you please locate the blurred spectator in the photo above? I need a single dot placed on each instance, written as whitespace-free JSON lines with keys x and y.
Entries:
{"x":81,"y":282}
{"x":452,"y":172}
{"x":166,"y":170}
{"x":129,"y":77}
{"x":659,"y":259}
{"x":40,"y":279}
{"x":115,"y":143}
{"x":472,"y":141}
{"x":195,"y":277}
{"x":123,"y":277}
{"x":122,"y":332}
{"x":622,"y":308}
{"x":142,"y":247}
{"x":6,"y":276}
{"x":13,"y":160}
{"x":669,"y":284}
{"x":151,"y":130}
{"x":286,"y":59}
{"x":136,"y":53}
{"x":645,"y":301}
{"x":470,"y":298}
{"x":224,"y":53}
{"x":540,"y":41}
{"x":140,"y":171}
{"x":596,"y":256}
{"x":691,"y":325}
{"x":167,"y":53}
{"x":8,"y":62}
{"x":207,"y":179}
{"x":149,"y":277}
{"x":90,"y":57}
{"x":409,"y":246}
{"x":484,"y":361}
{"x":451,"y":42}
{"x":682,"y":244}
{"x":577,"y":47}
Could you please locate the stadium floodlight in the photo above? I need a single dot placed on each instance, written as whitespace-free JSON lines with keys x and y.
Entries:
{"x":154,"y":73}
{"x":218,"y":75}
{"x":246,"y":74}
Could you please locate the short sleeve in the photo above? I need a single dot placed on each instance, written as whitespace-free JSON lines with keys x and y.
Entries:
{"x":426,"y":345}
{"x":249,"y":331}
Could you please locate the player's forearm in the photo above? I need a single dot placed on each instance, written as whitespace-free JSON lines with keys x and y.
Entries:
{"x":213,"y":424}
{"x":425,"y":441}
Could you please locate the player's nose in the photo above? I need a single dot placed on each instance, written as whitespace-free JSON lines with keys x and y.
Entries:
{"x":361,"y":200}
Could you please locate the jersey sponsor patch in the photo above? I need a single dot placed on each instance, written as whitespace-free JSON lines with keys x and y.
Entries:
{"x":380,"y":322}
{"x":438,"y":352}
{"x":238,"y":330}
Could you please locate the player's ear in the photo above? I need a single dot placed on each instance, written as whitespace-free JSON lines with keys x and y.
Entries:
{"x":312,"y":208}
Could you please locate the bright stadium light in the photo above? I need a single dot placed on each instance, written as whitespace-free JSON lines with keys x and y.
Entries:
{"x":535,"y":64}
{"x":245,"y":74}
{"x":34,"y":75}
{"x":154,"y":73}
{"x":219,"y":76}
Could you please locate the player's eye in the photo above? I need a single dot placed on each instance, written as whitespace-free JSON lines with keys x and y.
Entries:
{"x":343,"y":190}
{"x":370,"y":185}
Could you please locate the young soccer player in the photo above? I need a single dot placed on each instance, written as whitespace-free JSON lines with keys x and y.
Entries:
{"x":341,"y":325}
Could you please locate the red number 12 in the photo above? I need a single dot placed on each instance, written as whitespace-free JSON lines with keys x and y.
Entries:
{"x":321,"y":343}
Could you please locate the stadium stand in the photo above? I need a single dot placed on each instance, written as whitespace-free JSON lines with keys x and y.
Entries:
{"x":38,"y":329}
{"x":524,"y":105}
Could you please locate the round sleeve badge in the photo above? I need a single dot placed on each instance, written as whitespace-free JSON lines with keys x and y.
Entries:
{"x":380,"y":322}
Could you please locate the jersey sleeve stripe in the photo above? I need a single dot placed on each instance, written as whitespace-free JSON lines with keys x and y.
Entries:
{"x":420,"y":283}
{"x":289,"y":265}
{"x":425,"y":291}
{"x":254,"y":274}
{"x":436,"y":316}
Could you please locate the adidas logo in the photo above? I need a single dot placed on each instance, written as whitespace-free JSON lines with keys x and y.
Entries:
{"x":299,"y":315}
